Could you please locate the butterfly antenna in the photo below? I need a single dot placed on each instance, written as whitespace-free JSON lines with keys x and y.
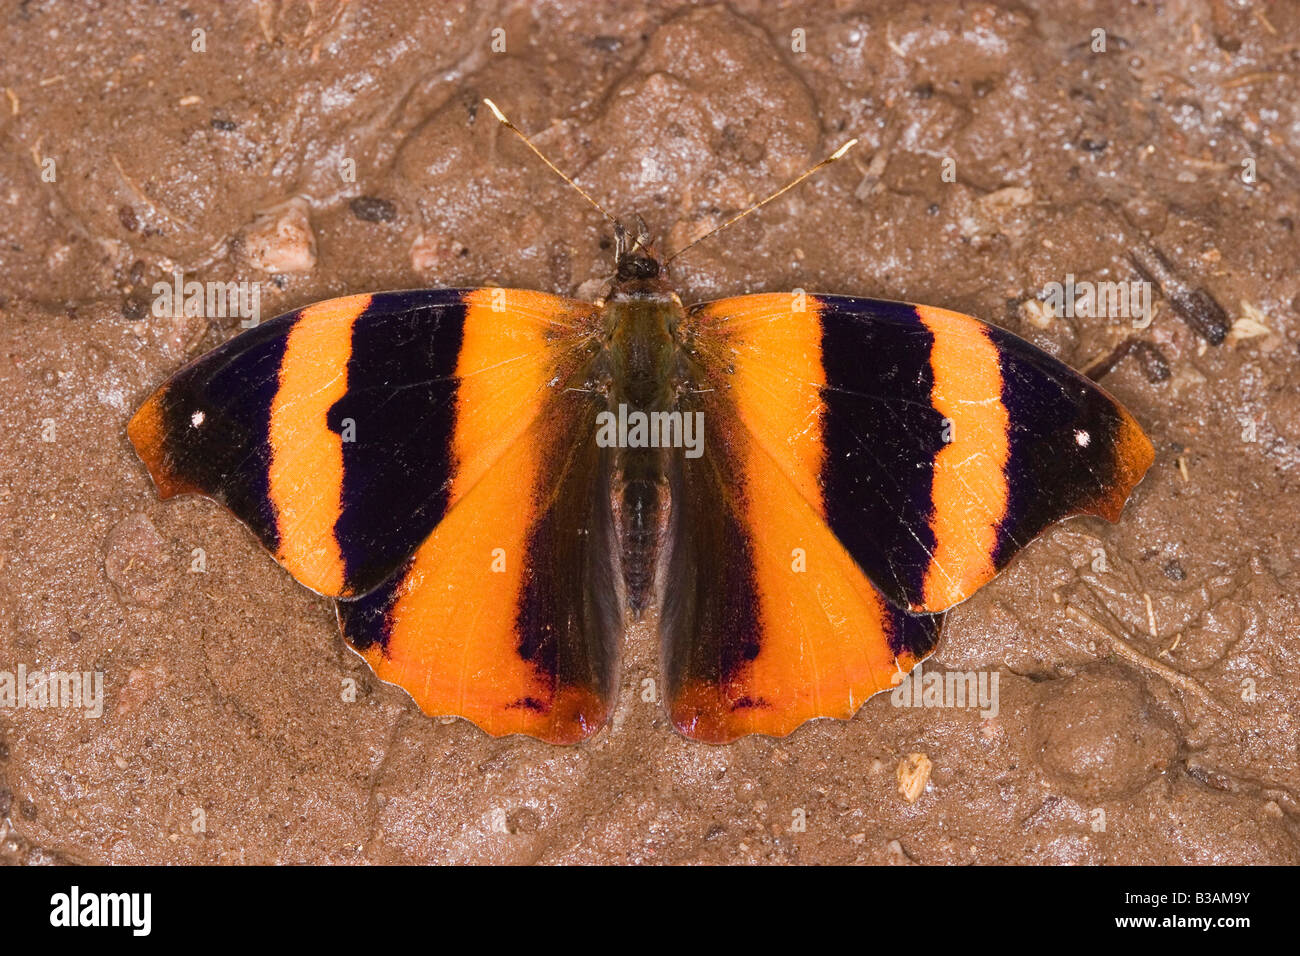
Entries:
{"x":501,"y":117}
{"x":838,"y":154}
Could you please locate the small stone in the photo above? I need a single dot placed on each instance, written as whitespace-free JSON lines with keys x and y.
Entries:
{"x":281,"y":240}
{"x":896,"y":855}
{"x":431,"y":251}
{"x":1036,"y":313}
{"x":141,"y":684}
{"x":913,"y":774}
{"x":373,"y":209}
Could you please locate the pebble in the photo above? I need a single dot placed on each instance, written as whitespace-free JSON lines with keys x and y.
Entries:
{"x":373,"y":209}
{"x":431,"y":251}
{"x":281,"y":240}
{"x":141,"y":684}
{"x":913,"y":774}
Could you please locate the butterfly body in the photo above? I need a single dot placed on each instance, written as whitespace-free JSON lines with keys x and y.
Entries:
{"x":493,"y":483}
{"x":643,"y":362}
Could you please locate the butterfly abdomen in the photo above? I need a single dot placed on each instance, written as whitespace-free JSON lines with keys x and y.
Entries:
{"x":640,"y":510}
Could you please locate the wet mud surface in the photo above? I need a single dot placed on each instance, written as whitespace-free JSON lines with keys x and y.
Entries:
{"x":1148,"y":671}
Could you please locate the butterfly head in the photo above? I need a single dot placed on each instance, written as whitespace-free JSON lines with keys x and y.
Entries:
{"x":638,"y":270}
{"x":637,"y":266}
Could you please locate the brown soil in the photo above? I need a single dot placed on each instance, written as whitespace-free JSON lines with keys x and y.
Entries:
{"x":1128,"y":732}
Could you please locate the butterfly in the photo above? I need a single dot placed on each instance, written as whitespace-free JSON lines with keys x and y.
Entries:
{"x":493,"y":484}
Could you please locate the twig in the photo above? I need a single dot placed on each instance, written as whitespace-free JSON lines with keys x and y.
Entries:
{"x":1134,"y":656}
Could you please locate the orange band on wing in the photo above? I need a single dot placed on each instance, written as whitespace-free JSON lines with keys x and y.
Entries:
{"x":305,"y":478}
{"x":453,"y":641}
{"x":781,"y":403}
{"x":453,"y":634}
{"x":148,"y":433}
{"x":501,"y":374}
{"x":969,"y":488}
{"x":1134,"y":454}
{"x":823,"y":638}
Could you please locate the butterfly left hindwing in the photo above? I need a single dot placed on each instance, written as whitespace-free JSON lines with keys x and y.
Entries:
{"x":507,"y":613}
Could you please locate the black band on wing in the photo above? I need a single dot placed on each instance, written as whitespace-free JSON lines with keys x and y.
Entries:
{"x":568,"y":608}
{"x":1049,"y":472}
{"x":878,"y":467}
{"x":400,"y":413}
{"x":365,"y":621}
{"x":212,"y":445}
{"x":913,"y":634}
{"x":710,"y":626}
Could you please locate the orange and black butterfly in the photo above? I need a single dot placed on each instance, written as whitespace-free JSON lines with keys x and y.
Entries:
{"x":493,"y":483}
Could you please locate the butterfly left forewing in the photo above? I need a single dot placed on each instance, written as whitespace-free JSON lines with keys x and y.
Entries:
{"x":331,"y":430}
